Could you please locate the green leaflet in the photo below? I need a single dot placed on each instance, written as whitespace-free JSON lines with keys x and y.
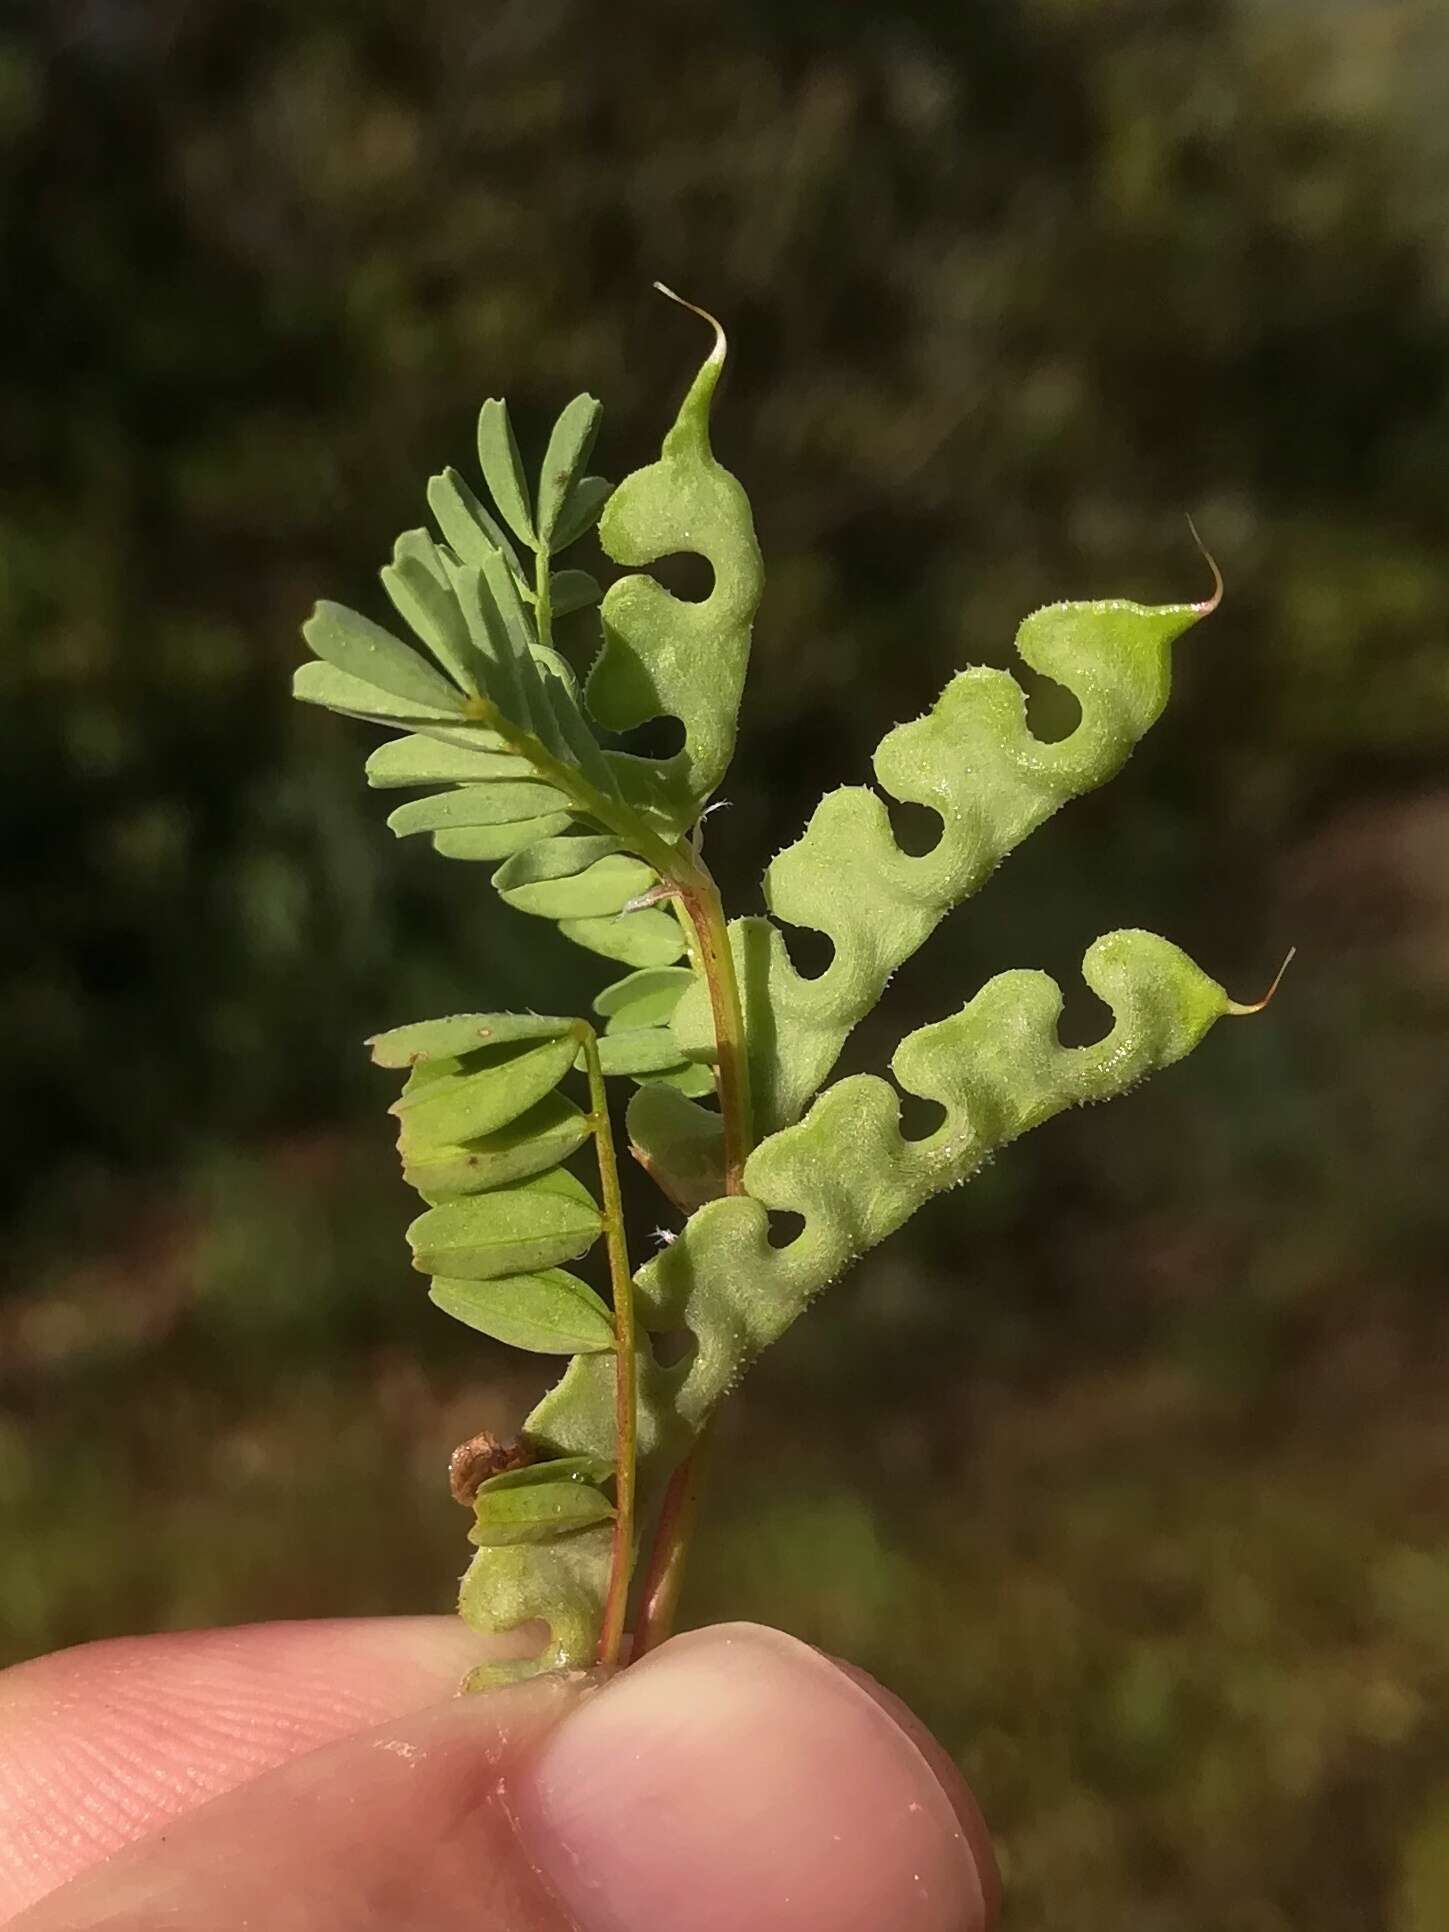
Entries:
{"x":498,"y":722}
{"x":568,"y":450}
{"x":648,"y":937}
{"x":680,"y":1145}
{"x":640,"y":1050}
{"x":663,"y":657}
{"x":546,"y":1134}
{"x":461,"y":1033}
{"x":473,"y":805}
{"x":502,"y":468}
{"x":423,"y":761}
{"x":577,"y":878}
{"x":581,"y":512}
{"x":571,"y":590}
{"x":553,"y":1313}
{"x":490,"y":843}
{"x":513,"y":1230}
{"x":646,"y":998}
{"x":536,"y":1512}
{"x":975,"y":762}
{"x":492,"y":1086}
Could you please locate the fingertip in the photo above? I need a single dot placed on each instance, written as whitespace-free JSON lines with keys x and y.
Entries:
{"x":106,"y":1742}
{"x":737,"y":1777}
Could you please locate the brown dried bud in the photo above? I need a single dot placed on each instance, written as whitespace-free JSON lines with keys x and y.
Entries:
{"x":482,"y":1456}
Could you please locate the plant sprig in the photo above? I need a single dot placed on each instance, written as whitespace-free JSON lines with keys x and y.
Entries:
{"x":727,"y":1044}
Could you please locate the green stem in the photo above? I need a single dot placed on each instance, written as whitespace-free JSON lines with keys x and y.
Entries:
{"x":543,"y":599}
{"x":700,"y":898}
{"x":625,"y":1379}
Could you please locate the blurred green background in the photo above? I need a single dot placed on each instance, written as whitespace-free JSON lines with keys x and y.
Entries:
{"x":1129,"y":1466}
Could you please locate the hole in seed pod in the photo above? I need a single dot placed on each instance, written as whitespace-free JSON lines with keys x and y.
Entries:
{"x":785,"y":1228}
{"x":915,"y":828}
{"x":1052,"y":713}
{"x":920,"y":1118}
{"x":685,"y":575}
{"x":672,"y":1346}
{"x":656,"y":738}
{"x":810,"y":952}
{"x":1085,"y":1019}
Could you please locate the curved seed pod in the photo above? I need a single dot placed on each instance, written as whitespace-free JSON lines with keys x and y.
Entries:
{"x":975,"y":762}
{"x":997,"y":1069}
{"x":663,"y":657}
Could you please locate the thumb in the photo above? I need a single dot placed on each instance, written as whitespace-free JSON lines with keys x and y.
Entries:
{"x":733,"y":1778}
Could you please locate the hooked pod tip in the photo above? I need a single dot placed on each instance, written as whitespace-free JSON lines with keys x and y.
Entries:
{"x":1207,"y":608}
{"x":1241,"y":1012}
{"x":717,"y":354}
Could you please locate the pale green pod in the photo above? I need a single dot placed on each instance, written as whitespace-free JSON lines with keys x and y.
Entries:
{"x":975,"y":762}
{"x":662,"y":656}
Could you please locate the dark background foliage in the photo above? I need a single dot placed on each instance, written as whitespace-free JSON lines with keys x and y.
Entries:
{"x":1129,"y":1464}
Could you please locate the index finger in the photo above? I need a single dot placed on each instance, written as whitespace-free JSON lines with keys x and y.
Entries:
{"x":106,"y":1743}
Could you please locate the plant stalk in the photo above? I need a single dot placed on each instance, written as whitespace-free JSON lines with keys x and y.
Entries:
{"x":664,"y":1577}
{"x":626,"y":1396}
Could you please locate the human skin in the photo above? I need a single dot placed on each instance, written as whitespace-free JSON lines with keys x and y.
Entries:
{"x":323,"y":1777}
